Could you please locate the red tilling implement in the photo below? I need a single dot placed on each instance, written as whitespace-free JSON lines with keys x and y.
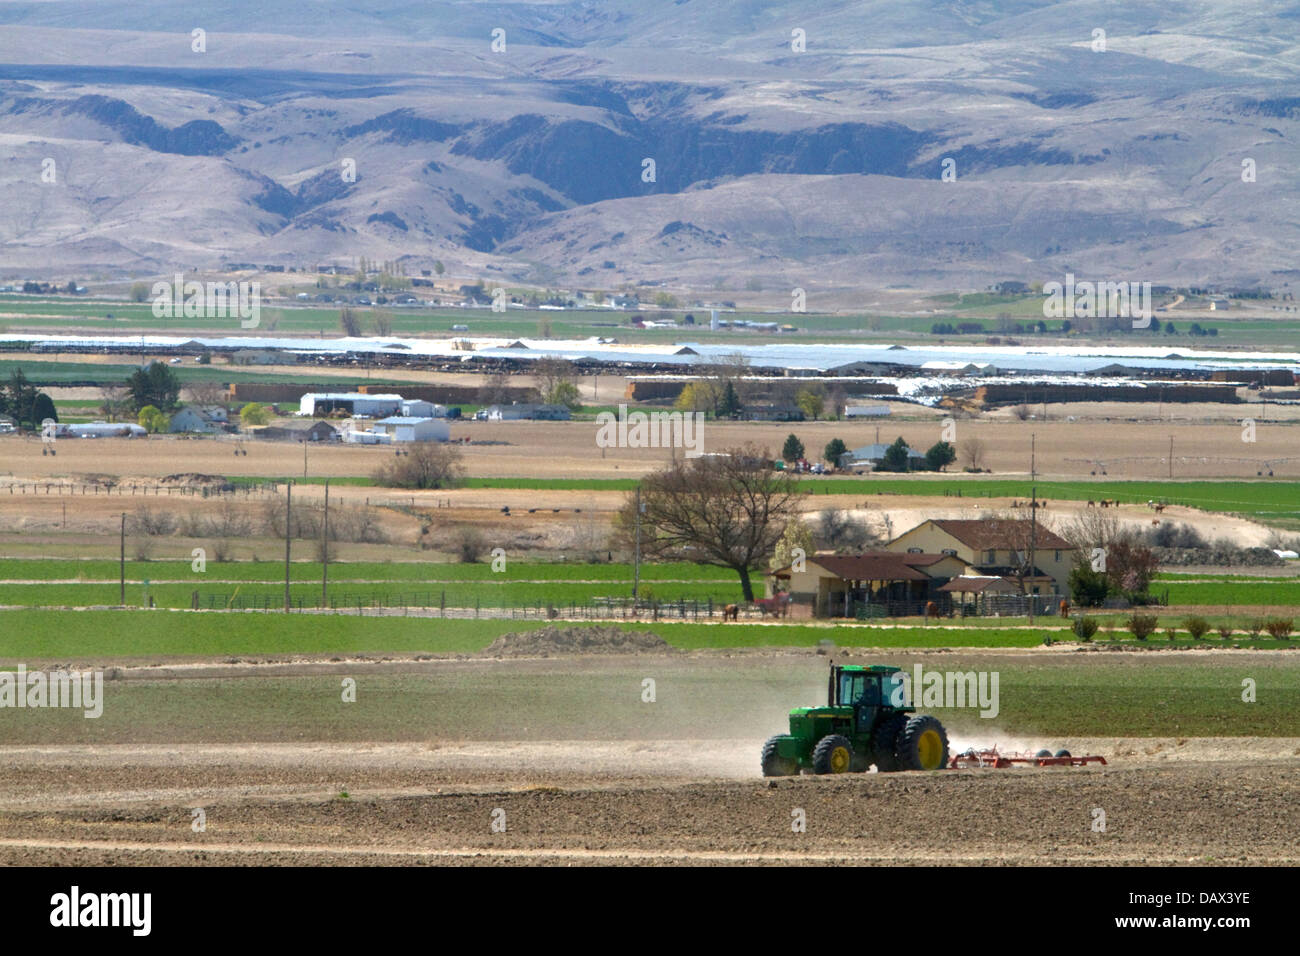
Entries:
{"x":1044,"y":758}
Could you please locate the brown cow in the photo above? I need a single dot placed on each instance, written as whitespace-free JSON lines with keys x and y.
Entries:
{"x":1065,"y":608}
{"x":931,"y":609}
{"x":732,"y":612}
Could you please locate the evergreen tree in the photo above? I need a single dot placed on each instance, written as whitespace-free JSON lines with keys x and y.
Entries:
{"x":940,"y":456}
{"x":895,"y":457}
{"x":155,"y":385}
{"x":730,"y":406}
{"x":793,"y":448}
{"x":834,"y":452}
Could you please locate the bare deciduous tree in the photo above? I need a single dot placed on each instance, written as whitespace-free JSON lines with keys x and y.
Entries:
{"x":841,"y":532}
{"x":727,"y":510}
{"x":972,"y":453}
{"x":1093,"y":528}
{"x":550,"y":373}
{"x":114,"y":402}
{"x":425,"y":465}
{"x":493,"y":390}
{"x":207,"y":394}
{"x":349,"y":323}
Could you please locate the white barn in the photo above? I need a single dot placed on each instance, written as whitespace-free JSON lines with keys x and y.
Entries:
{"x":402,"y":428}
{"x":354,"y":403}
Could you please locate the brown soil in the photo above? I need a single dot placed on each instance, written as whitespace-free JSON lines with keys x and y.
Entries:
{"x":698,"y":802}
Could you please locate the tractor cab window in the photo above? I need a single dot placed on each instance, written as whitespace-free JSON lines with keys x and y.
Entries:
{"x":859,"y":688}
{"x":850,"y":688}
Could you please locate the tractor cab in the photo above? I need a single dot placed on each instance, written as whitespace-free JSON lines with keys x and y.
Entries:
{"x":866,"y":691}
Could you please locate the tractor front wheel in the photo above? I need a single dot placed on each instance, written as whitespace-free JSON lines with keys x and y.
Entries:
{"x":833,"y":754}
{"x":774,"y":765}
{"x":923,"y":745}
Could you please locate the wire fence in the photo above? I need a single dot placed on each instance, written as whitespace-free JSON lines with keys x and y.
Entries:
{"x":140,"y":490}
{"x":437,"y":603}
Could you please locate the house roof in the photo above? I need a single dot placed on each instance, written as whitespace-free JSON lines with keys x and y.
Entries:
{"x":984,"y":534}
{"x":878,"y":451}
{"x":874,"y":566}
{"x":351,"y":397}
{"x":402,"y":420}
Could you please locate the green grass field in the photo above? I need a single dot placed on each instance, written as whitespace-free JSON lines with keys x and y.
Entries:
{"x":1268,"y":499}
{"x":81,"y":583}
{"x":42,"y":634}
{"x":56,"y":313}
{"x":600,"y":700}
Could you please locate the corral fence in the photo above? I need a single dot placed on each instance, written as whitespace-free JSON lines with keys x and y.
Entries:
{"x":988,"y":605}
{"x":140,"y":490}
{"x":439,"y":603}
{"x":436,"y":603}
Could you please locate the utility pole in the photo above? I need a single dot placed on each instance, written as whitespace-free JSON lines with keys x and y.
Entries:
{"x":288,"y":527}
{"x":304,"y":457}
{"x":636,"y":560}
{"x":1033,"y":535}
{"x":325,"y":551}
{"x":121,"y":563}
{"x":1033,"y":456}
{"x":1171,"y":457}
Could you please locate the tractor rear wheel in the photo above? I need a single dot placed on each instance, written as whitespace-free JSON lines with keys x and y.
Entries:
{"x":833,"y":754}
{"x":774,"y":765}
{"x":1063,"y":753}
{"x":923,"y":744}
{"x":883,"y":741}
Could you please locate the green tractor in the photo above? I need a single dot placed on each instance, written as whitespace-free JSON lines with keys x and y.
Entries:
{"x":864,"y":722}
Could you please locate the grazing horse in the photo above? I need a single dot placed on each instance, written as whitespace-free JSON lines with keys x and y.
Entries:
{"x":1159,"y":508}
{"x":1065,"y":608}
{"x":931,"y":609}
{"x":1092,"y":504}
{"x":731,"y":612}
{"x":778,"y":605}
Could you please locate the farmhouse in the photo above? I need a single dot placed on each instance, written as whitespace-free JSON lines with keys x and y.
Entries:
{"x":996,"y":547}
{"x":318,"y":431}
{"x":873,"y":455}
{"x":872,"y":583}
{"x":193,"y":421}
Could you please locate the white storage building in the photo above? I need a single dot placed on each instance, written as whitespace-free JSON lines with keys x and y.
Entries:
{"x":354,"y":403}
{"x":403,"y":428}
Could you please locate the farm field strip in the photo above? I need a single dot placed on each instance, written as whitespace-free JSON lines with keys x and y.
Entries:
{"x":49,"y":569}
{"x":32,"y":634}
{"x":503,"y":594}
{"x":577,"y":700}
